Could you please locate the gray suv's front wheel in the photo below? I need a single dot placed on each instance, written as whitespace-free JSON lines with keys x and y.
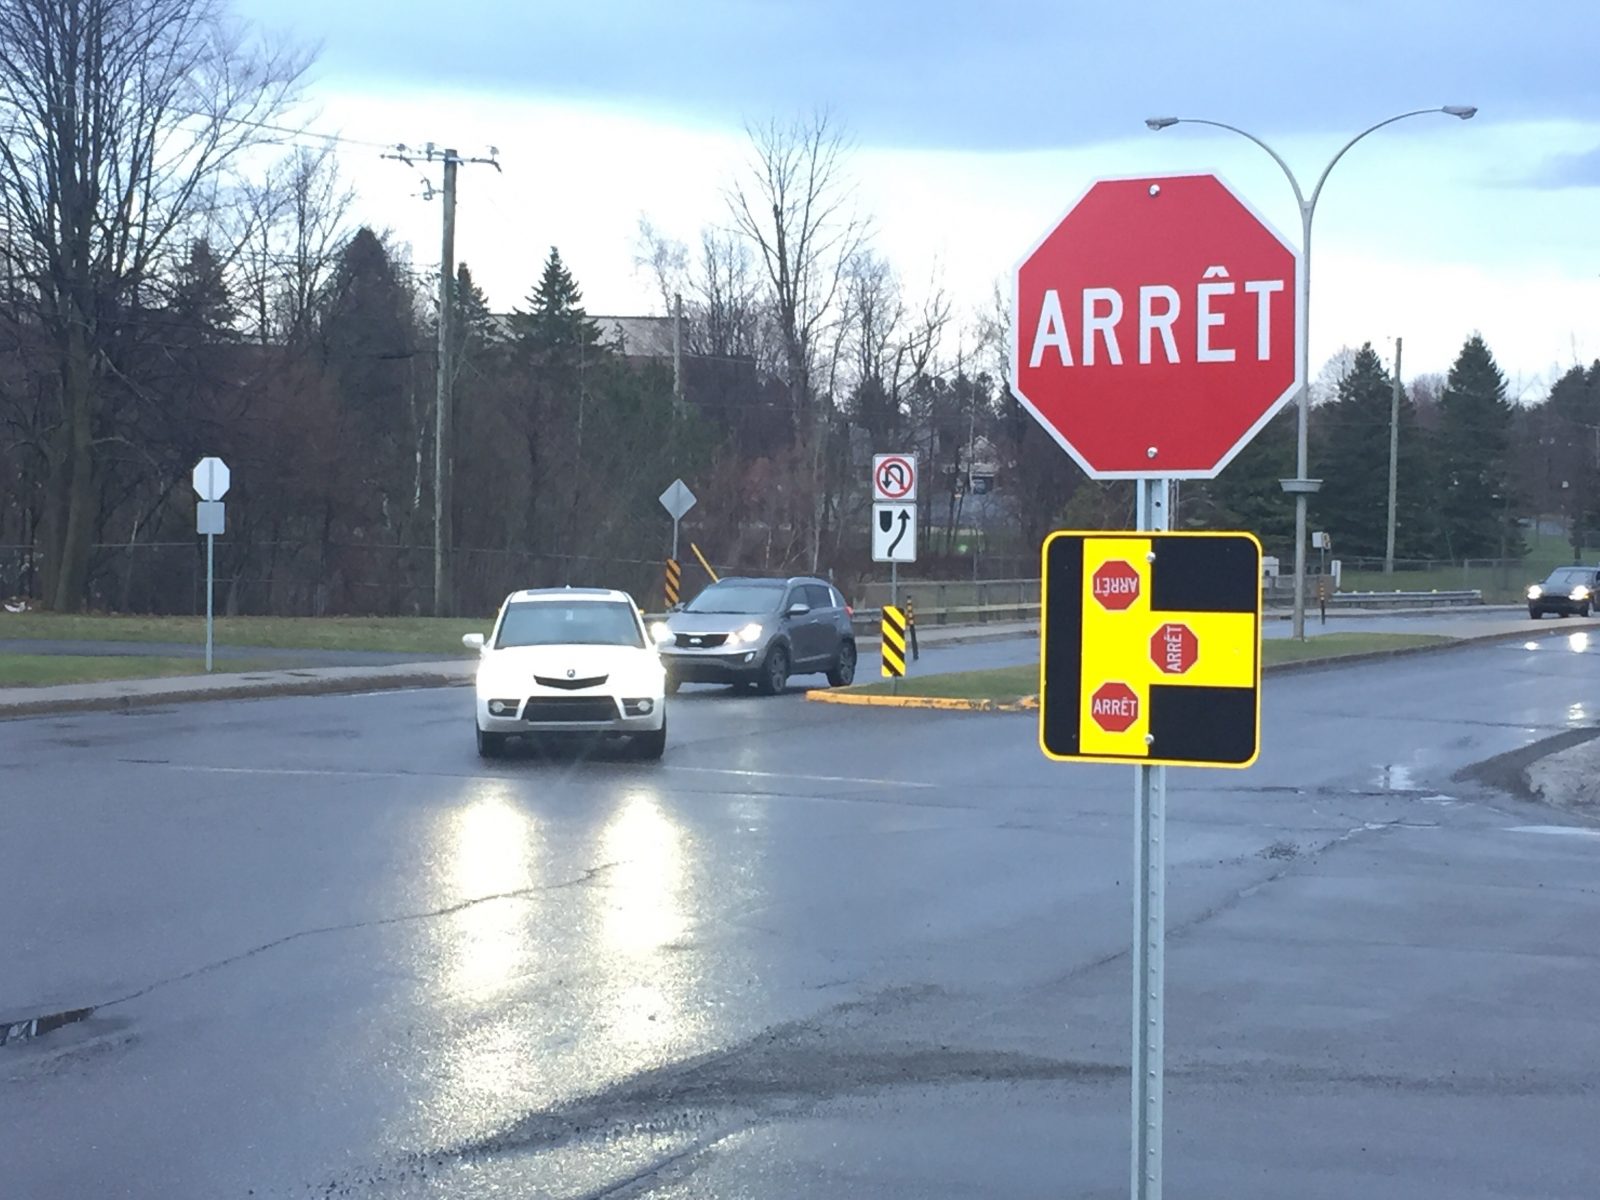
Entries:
{"x":774,"y":671}
{"x":843,"y":671}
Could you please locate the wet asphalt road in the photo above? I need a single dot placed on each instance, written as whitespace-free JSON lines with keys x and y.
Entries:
{"x":817,"y":952}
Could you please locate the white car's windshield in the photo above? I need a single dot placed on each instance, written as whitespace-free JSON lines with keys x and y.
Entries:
{"x":737,"y":598}
{"x":574,"y":623}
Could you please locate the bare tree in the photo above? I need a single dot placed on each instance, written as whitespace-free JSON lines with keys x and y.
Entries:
{"x":727,"y":301}
{"x":664,"y":259}
{"x":123,"y":121}
{"x":1325,"y":387}
{"x":796,"y":209}
{"x":286,"y":233}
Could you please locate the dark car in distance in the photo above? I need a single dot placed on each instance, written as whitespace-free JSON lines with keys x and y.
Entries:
{"x":1569,"y":591}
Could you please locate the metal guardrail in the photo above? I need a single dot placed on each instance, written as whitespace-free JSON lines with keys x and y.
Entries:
{"x":866,"y":620}
{"x":1429,"y":599}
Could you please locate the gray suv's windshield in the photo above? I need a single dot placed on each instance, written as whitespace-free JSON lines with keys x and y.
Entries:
{"x":579,"y":623}
{"x":738,"y":598}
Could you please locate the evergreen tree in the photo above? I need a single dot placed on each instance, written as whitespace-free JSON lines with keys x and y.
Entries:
{"x":557,"y":357}
{"x":1248,"y":494}
{"x":201,"y":302}
{"x":555,"y":326}
{"x":372,"y":352}
{"x":1353,"y":458}
{"x":1566,"y":475}
{"x":1475,"y":489}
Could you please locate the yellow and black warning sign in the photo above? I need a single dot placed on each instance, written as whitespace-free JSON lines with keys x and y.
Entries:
{"x":894,"y":642}
{"x":673,"y":581}
{"x":1151,"y":648}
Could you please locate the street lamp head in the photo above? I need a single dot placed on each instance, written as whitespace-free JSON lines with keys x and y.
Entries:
{"x":1465,"y":111}
{"x":1160,"y":122}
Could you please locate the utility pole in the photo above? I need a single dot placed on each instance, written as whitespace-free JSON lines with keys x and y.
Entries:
{"x":444,"y":404}
{"x":677,"y":356}
{"x":1394,"y":460}
{"x":443,"y":415}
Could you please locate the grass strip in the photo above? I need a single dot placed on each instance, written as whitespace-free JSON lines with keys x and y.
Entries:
{"x":45,"y":670}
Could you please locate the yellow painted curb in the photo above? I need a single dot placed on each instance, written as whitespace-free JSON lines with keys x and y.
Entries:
{"x":823,"y":696}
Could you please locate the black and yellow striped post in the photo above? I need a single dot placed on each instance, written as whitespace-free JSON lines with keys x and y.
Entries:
{"x":911,"y":627}
{"x":894,"y":642}
{"x":673,"y":581}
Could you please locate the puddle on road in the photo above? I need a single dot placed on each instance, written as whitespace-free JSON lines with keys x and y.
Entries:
{"x":1396,"y":778}
{"x":34,"y":1027}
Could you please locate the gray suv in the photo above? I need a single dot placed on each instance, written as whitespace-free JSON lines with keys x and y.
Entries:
{"x":759,"y":631}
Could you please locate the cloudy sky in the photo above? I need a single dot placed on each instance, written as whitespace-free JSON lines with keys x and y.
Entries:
{"x":975,"y":124}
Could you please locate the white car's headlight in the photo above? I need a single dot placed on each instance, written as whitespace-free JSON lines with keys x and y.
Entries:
{"x":1535,"y":592}
{"x":646,"y":679}
{"x":1580,"y":593}
{"x":750,"y":633}
{"x":502,"y":685}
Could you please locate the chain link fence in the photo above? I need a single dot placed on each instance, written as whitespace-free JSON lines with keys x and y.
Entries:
{"x":300,"y":579}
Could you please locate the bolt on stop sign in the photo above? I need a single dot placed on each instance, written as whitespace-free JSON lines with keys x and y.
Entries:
{"x":1156,"y":327}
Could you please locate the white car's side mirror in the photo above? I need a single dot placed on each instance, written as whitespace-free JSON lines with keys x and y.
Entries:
{"x":472,"y":641}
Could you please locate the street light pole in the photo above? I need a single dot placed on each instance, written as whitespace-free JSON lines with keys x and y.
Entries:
{"x":1300,"y":487}
{"x":1394,"y":461}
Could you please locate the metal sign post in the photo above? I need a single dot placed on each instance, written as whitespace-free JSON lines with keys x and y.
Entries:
{"x":211,"y":592}
{"x":211,"y":482}
{"x":1149,"y":929}
{"x":1150,"y":645}
{"x":677,"y":500}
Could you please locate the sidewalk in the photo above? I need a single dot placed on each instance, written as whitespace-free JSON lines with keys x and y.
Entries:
{"x":118,"y":695}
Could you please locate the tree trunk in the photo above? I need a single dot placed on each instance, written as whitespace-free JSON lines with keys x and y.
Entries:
{"x":71,"y":497}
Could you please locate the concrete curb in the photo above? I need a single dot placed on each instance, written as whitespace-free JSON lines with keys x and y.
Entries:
{"x":1031,"y":703}
{"x":944,"y":703}
{"x":252,"y":686}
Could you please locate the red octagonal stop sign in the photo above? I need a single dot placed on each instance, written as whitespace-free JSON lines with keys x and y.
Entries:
{"x":1174,"y":648}
{"x":1114,"y":707}
{"x":1156,"y":327}
{"x":1115,"y":584}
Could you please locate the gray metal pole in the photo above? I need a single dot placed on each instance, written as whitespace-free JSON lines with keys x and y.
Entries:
{"x":1302,"y":421}
{"x":442,"y":415}
{"x":675,"y":521}
{"x":1149,"y":930}
{"x":211,"y":575}
{"x":894,"y":584}
{"x":1394,"y":461}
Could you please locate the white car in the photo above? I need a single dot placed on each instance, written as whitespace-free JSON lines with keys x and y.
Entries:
{"x":569,"y":661}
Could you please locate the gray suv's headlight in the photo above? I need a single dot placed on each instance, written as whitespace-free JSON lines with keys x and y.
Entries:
{"x":747,"y":636}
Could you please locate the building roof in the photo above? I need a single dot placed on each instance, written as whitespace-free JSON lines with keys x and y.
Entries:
{"x":632,"y":337}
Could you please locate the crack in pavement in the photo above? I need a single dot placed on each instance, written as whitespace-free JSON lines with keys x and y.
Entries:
{"x":588,"y":876}
{"x":676,"y":1115}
